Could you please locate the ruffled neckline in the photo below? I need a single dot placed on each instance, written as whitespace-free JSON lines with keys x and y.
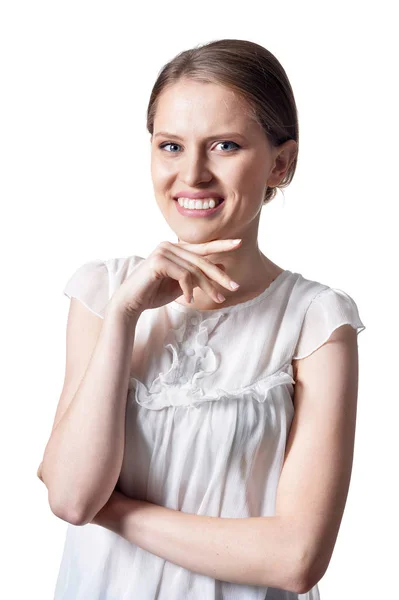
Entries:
{"x":229,"y":309}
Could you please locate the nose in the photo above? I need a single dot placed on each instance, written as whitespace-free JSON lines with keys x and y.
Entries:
{"x":194,"y":168}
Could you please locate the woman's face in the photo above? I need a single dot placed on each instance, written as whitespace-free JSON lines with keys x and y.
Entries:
{"x":205,"y":139}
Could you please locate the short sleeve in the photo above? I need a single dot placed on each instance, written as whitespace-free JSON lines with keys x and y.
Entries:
{"x":327,"y":311}
{"x":90,"y":284}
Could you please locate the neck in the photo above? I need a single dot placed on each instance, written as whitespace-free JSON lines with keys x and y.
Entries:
{"x":247,"y":266}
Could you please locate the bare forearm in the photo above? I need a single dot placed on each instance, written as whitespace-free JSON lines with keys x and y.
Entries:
{"x":83,"y":457}
{"x":258,"y":551}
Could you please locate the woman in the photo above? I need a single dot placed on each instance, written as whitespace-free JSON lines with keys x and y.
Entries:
{"x":226,"y":424}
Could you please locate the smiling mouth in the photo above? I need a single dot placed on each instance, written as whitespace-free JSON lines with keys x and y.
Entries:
{"x":191,"y":203}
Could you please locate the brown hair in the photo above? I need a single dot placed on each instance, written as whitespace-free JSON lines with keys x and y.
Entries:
{"x":253,"y":73}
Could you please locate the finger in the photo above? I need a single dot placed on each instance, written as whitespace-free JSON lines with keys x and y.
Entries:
{"x":212,"y":271}
{"x":186,"y":284}
{"x":196,"y":274}
{"x":169,"y":268}
{"x":211,"y":247}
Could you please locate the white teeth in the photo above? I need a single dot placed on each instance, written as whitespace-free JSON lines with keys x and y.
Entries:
{"x":198,"y":204}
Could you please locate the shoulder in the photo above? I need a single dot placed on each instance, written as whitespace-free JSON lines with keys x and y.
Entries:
{"x":94,"y":281}
{"x":121,"y":267}
{"x":323,"y":309}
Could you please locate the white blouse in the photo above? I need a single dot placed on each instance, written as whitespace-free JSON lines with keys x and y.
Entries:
{"x":208,"y":413}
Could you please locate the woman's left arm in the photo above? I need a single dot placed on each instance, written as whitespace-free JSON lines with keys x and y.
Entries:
{"x":292,"y":549}
{"x":253,"y":551}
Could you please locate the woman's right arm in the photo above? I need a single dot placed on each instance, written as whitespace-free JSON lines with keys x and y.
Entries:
{"x":83,"y":457}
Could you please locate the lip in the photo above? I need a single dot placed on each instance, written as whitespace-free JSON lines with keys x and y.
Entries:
{"x":194,"y":212}
{"x":198,"y":195}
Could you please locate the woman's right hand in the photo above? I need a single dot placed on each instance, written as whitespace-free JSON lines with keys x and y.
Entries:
{"x":173,"y":268}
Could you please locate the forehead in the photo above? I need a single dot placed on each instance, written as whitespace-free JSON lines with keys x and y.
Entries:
{"x":201,"y":106}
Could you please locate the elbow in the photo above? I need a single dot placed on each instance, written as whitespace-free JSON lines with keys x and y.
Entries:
{"x":73,"y":516}
{"x":60,"y":510}
{"x":296,"y":572}
{"x":308,"y":573}
{"x":305,"y":582}
{"x":65,"y":510}
{"x":299,"y":581}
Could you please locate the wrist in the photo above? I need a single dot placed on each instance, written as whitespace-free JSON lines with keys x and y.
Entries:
{"x":116,"y":309}
{"x":116,"y":515}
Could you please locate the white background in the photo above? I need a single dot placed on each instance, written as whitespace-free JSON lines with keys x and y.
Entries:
{"x":75,"y":185}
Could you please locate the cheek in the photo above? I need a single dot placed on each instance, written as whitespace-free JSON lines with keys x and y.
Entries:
{"x":160,"y":171}
{"x":253,"y":174}
{"x":242,"y":177}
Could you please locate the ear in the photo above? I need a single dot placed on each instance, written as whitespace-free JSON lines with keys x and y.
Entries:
{"x":284,"y":156}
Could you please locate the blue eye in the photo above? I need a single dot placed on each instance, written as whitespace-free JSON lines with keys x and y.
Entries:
{"x":168,"y":144}
{"x":162,"y":146}
{"x":227,"y":142}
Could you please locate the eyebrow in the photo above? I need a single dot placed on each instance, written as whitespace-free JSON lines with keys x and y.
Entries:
{"x":211,"y":137}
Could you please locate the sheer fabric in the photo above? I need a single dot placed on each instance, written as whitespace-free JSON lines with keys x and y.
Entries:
{"x":208,"y":413}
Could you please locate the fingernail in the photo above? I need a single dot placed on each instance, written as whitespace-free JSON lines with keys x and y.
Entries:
{"x":221,"y":297}
{"x":234,"y":242}
{"x":234,"y":285}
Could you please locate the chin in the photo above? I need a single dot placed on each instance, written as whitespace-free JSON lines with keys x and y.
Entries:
{"x":195,"y":238}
